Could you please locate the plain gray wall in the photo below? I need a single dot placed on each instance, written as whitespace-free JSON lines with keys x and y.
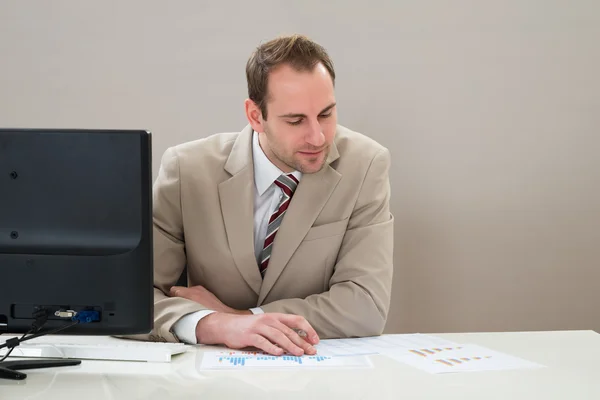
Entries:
{"x":491,"y":110}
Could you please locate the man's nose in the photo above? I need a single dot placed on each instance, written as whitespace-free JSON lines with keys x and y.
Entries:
{"x":315,"y":136}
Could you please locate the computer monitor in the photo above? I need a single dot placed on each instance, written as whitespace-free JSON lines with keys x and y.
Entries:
{"x":76,"y":229}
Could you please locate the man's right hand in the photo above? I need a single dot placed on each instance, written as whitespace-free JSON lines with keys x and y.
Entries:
{"x":271,"y":332}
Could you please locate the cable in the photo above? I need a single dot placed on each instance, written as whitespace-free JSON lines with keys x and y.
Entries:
{"x":41,"y":317}
{"x":14,"y":342}
{"x":11,"y":349}
{"x":52,"y":332}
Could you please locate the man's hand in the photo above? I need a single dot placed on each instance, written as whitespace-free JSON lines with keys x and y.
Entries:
{"x":272,"y":332}
{"x":203,"y":296}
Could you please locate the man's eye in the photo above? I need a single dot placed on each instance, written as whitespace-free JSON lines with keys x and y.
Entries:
{"x":297,"y":122}
{"x":325,"y":115}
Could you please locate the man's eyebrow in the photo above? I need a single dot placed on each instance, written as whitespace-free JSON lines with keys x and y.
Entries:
{"x":329,"y":107}
{"x":293,"y":115}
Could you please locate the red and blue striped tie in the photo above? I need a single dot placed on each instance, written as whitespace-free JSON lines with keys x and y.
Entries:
{"x":288,"y":184}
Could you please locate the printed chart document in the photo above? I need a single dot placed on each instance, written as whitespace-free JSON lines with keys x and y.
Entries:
{"x":428,"y":353}
{"x":461,"y":358}
{"x":378,"y":344}
{"x":252,"y":360}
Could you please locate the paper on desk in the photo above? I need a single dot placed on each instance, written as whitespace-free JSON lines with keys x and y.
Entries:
{"x":461,"y":358}
{"x":378,"y":344}
{"x":248,"y":359}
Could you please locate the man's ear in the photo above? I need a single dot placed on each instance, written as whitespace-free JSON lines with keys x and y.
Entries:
{"x":254,"y":116}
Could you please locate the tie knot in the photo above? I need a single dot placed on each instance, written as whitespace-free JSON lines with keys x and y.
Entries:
{"x":287,"y":183}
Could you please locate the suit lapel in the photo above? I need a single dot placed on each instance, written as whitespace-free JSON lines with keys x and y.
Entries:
{"x":310,"y":197}
{"x":237,"y":205}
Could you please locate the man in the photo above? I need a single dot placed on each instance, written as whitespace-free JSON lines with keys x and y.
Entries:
{"x":285,"y":227}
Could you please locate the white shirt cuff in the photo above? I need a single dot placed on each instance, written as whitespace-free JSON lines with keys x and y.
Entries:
{"x":257,"y":310}
{"x":185,"y":328}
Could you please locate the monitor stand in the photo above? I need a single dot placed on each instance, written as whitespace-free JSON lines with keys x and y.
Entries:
{"x":10,"y":369}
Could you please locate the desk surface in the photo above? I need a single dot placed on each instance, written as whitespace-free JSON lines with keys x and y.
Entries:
{"x":572,"y":359}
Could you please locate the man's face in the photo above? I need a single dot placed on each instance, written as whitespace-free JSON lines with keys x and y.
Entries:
{"x":301,"y":119}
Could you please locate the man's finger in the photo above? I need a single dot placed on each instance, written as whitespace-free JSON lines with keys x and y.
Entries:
{"x":295,"y":338}
{"x":297,"y":322}
{"x":179,"y":291}
{"x":260,"y":342}
{"x":280,"y":339}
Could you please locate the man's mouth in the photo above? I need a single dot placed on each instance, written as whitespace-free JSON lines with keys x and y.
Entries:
{"x":312,"y":152}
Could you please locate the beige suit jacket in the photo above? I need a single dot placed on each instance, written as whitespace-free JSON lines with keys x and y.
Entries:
{"x":332,"y":257}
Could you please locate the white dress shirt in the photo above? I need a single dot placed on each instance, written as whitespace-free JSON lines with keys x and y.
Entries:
{"x":267,"y":196}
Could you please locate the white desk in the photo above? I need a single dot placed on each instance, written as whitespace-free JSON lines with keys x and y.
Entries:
{"x":572,"y":360}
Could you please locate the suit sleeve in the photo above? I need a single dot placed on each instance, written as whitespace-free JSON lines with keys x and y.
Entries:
{"x":169,"y":251}
{"x":358,"y":299}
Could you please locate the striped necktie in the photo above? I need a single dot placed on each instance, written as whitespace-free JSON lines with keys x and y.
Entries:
{"x":288,"y":184}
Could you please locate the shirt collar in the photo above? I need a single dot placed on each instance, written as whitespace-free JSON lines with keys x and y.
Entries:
{"x":265,"y":172}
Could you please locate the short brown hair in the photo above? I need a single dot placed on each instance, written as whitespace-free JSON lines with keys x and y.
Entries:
{"x":298,"y":51}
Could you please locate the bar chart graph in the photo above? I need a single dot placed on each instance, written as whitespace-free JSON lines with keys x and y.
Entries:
{"x":269,"y":360}
{"x":467,"y":357}
{"x":244,"y":360}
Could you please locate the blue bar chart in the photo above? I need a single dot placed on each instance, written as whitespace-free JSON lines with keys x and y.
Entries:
{"x":270,"y":360}
{"x":244,"y":360}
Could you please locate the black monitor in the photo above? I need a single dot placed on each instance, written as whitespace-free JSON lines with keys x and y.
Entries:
{"x":76,"y":230}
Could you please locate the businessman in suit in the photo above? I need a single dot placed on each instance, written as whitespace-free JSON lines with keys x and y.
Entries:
{"x":285,"y":227}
